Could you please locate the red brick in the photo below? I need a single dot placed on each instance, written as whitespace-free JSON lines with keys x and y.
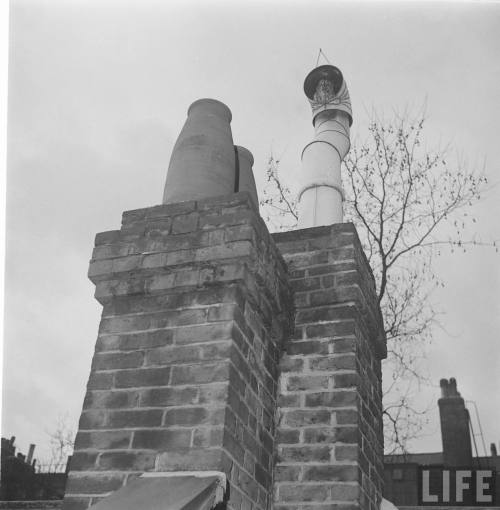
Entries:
{"x":286,"y":436}
{"x":234,"y":447}
{"x":347,"y":362}
{"x":224,"y":220}
{"x":331,"y":473}
{"x":185,"y":223}
{"x":216,"y":351}
{"x":239,"y":232}
{"x":334,"y":296}
{"x":136,"y":418}
{"x":307,"y":347}
{"x":200,"y":374}
{"x":172,"y":355}
{"x":83,"y":461}
{"x":110,"y":400}
{"x":223,"y":312}
{"x":108,"y":237}
{"x":348,"y":434}
{"x":344,"y":492}
{"x":331,"y":399}
{"x":304,"y":454}
{"x":110,"y":361}
{"x":235,"y":498}
{"x":346,"y":380}
{"x":248,"y":485}
{"x":103,"y":440}
{"x":289,"y":400}
{"x":204,"y":333}
{"x":190,"y":459}
{"x":168,"y":397}
{"x":307,"y":382}
{"x":332,"y":329}
{"x":142,"y":377}
{"x":100,"y":381}
{"x":187,"y":416}
{"x":306,"y":284}
{"x":262,"y":476}
{"x":347,"y":416}
{"x":289,"y":364}
{"x":300,"y":418}
{"x":161,"y":439}
{"x":347,"y":452}
{"x":145,"y":340}
{"x":286,"y":473}
{"x":320,"y":435}
{"x":300,"y":493}
{"x":165,"y":210}
{"x":93,"y":419}
{"x":129,"y":460}
{"x":208,"y":437}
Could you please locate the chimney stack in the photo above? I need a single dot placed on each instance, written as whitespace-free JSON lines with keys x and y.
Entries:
{"x":31,"y":451}
{"x":455,"y":433}
{"x":320,"y":197}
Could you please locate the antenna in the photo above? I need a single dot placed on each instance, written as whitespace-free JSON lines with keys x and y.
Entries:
{"x":480,"y":433}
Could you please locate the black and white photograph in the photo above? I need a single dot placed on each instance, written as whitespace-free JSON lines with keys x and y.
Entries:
{"x":251,"y":255}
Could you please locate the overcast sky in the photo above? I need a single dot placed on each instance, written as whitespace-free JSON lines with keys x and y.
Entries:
{"x":98,"y":92}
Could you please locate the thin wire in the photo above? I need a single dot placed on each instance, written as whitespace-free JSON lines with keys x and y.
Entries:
{"x":321,"y":52}
{"x":317,"y":60}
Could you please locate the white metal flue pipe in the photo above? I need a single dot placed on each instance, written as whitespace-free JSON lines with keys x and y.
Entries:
{"x":320,"y":197}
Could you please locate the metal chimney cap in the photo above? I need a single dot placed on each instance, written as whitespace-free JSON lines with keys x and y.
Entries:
{"x":326,"y":72}
{"x":212,"y":106}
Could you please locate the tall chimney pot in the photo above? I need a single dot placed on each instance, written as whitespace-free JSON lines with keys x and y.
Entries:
{"x":246,"y":180}
{"x":320,"y":196}
{"x":202,"y":164}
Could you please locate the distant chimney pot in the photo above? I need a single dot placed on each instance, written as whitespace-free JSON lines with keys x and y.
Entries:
{"x":31,"y":451}
{"x":246,"y":180}
{"x":493,"y":449}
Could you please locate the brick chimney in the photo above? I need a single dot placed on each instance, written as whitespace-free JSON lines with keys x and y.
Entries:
{"x":224,"y":349}
{"x":455,"y":432}
{"x":196,"y":306}
{"x":330,"y":438}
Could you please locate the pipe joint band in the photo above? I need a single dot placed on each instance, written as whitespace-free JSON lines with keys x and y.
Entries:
{"x":319,"y":185}
{"x":320,"y":141}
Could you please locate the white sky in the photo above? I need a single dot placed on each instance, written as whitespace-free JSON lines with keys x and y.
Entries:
{"x":98,"y":92}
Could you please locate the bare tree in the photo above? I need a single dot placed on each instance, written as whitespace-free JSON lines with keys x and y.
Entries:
{"x":407,"y":203}
{"x":61,"y":441}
